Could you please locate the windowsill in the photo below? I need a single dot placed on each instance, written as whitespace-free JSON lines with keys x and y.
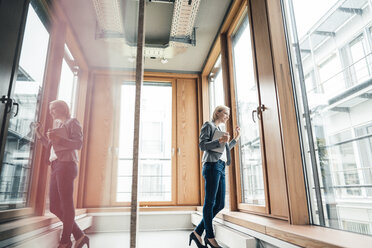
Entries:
{"x":142,"y":209}
{"x":21,"y":226}
{"x":301,"y":235}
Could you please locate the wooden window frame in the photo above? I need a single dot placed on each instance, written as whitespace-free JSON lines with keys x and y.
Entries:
{"x":244,"y":12}
{"x":174,"y":140}
{"x":294,"y":178}
{"x":226,"y":44}
{"x":59,"y":35}
{"x":296,"y":189}
{"x":36,"y":192}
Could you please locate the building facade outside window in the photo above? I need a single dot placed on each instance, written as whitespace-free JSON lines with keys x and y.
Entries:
{"x":358,"y":59}
{"x":330,"y":47}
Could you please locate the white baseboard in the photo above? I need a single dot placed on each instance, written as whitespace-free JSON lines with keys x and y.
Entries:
{"x":147,"y":221}
{"x":45,"y":237}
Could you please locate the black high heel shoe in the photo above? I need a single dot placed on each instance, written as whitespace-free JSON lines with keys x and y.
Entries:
{"x":207,"y":242}
{"x":83,"y":240}
{"x":196,"y":240}
{"x":65,"y":245}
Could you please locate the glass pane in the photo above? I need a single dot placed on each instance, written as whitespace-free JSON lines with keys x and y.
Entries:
{"x":216,"y":98}
{"x":335,"y":120}
{"x":247,"y":101}
{"x":364,"y":147}
{"x":155,"y":180}
{"x":68,"y":81}
{"x":216,"y":93}
{"x":359,"y":60}
{"x":17,"y":164}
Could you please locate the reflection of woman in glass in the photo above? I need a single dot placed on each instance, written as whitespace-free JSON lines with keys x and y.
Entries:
{"x":216,"y":155}
{"x":63,"y":140}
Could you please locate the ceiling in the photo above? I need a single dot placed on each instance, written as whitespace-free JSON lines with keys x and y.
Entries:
{"x":113,"y":53}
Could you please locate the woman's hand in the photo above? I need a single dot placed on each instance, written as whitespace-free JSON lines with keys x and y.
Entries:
{"x":224,"y":138}
{"x":39,"y":129}
{"x":237,"y":131}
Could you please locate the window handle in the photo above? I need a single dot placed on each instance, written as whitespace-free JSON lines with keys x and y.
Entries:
{"x":178,"y":151}
{"x":17,"y":105}
{"x":172,"y":151}
{"x":254,"y":111}
{"x":9,"y":102}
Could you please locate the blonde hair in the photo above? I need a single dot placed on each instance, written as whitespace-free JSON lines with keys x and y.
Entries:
{"x":217,"y":110}
{"x":62,"y":106}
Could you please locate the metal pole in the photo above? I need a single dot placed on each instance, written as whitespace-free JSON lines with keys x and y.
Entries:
{"x":139,"y":82}
{"x":309,"y":131}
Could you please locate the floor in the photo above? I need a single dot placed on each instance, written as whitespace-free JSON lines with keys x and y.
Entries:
{"x":158,"y":239}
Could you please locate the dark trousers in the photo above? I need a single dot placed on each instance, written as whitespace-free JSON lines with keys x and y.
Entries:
{"x":61,"y":197}
{"x":214,"y":201}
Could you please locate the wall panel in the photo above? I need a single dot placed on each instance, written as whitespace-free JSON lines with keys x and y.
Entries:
{"x":99,"y":155}
{"x":188,"y":185}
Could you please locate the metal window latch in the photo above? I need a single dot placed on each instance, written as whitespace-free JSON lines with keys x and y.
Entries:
{"x":9,"y":104}
{"x":5,"y":99}
{"x":260,"y":109}
{"x":258,"y":112}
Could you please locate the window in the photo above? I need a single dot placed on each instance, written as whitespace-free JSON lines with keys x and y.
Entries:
{"x":17,"y":164}
{"x":246,"y":92}
{"x":69,"y":79}
{"x":335,"y":129}
{"x":216,"y":98}
{"x":216,"y":92}
{"x":359,"y":63}
{"x":155,"y":166}
{"x":353,"y":226}
{"x":153,"y":139}
{"x":344,"y":163}
{"x":364,"y":142}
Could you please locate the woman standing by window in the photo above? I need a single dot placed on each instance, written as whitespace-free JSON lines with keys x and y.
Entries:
{"x":216,"y":147}
{"x":64,"y":140}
